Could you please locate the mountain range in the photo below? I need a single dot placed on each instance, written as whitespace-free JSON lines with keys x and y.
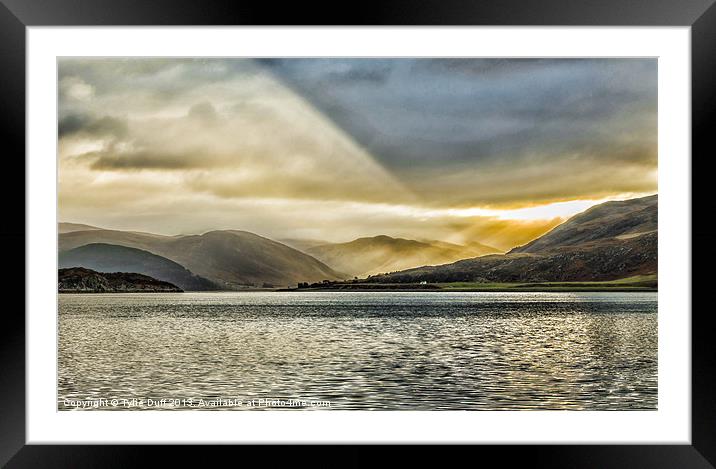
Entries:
{"x":613,"y":240}
{"x":228,"y":260}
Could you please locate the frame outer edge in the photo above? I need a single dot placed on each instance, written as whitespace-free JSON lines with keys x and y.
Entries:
{"x":385,"y":12}
{"x":703,"y":109}
{"x":12,"y":103}
{"x":12,"y":232}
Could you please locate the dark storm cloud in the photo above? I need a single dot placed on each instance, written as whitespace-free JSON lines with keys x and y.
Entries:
{"x":333,"y":70}
{"x":419,"y":113}
{"x":139,"y":160}
{"x":105,"y":126}
{"x":450,"y":112}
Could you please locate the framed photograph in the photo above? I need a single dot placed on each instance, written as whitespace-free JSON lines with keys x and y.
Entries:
{"x":447,"y":224}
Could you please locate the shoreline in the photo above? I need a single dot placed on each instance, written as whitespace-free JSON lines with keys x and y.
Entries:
{"x":477,"y":290}
{"x":634,"y":284}
{"x":396,"y":290}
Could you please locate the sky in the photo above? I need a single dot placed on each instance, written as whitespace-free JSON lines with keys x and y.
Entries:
{"x":497,"y":151}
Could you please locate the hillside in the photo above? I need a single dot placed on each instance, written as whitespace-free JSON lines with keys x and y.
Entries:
{"x":611,"y":220}
{"x":241,"y":258}
{"x":102,"y":257}
{"x":369,"y":256}
{"x":229,"y":259}
{"x":70,"y":227}
{"x":81,"y":280}
{"x":610,"y":241}
{"x":145,"y":241}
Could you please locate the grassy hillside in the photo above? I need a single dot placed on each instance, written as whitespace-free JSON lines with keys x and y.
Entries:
{"x":604,"y":222}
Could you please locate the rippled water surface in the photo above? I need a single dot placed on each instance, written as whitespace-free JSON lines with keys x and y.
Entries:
{"x":372,"y":350}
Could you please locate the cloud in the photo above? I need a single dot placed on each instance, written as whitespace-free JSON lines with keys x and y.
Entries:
{"x":73,"y":87}
{"x":333,"y":148}
{"x":139,"y":160}
{"x":203,"y":112}
{"x":536,"y":178}
{"x":447,"y":114}
{"x":243,"y":136}
{"x":105,"y":126}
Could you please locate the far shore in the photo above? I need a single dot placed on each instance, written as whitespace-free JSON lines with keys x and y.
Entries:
{"x":645,"y":283}
{"x":638,"y":283}
{"x":535,"y":289}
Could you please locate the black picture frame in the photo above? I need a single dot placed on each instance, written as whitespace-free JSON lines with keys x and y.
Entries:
{"x":700,"y":15}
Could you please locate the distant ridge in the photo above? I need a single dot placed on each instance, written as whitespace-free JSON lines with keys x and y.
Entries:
{"x":377,"y":254}
{"x":70,"y":227}
{"x":301,"y":244}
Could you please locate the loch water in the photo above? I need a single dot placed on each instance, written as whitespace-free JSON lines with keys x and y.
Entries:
{"x":358,"y":350}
